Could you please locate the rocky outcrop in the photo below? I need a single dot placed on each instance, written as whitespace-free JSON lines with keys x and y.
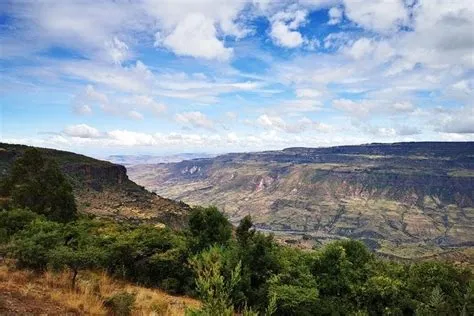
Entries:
{"x":103,"y":188}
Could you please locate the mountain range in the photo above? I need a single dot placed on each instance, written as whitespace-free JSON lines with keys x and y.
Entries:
{"x":403,"y":199}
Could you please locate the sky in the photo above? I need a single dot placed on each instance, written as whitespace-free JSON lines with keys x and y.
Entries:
{"x":170,"y":76}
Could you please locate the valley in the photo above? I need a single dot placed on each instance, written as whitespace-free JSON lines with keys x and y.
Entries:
{"x":405,"y":200}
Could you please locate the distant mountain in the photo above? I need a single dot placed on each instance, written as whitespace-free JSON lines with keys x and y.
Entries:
{"x":103,"y":188}
{"x":129,"y":160}
{"x":403,"y":199}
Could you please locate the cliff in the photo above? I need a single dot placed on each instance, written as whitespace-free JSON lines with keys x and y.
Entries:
{"x":104,"y":189}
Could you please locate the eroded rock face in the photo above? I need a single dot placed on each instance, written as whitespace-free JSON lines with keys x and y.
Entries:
{"x":103,"y":188}
{"x":415,"y":193}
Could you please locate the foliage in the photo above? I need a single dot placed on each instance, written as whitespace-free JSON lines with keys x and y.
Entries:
{"x":250,"y":274}
{"x":81,"y":249}
{"x":31,"y":246}
{"x":208,"y":226}
{"x":37,"y":183}
{"x":13,"y":221}
{"x":213,"y":288}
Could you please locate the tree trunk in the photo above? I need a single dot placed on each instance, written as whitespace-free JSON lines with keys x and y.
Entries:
{"x":73,"y":281}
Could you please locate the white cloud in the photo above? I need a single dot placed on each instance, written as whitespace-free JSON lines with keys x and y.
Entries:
{"x":128,"y":138}
{"x":284,"y":26}
{"x":135,"y":115}
{"x":335,"y":15}
{"x":117,"y":50}
{"x":308,"y":93}
{"x":376,"y":51}
{"x":302,"y":105}
{"x":82,"y":109}
{"x":276,"y":123}
{"x":460,"y":121}
{"x":379,"y":15}
{"x":371,"y":107}
{"x":194,"y":119}
{"x":147,"y":103}
{"x":89,"y":96}
{"x":81,"y":131}
{"x":196,"y":36}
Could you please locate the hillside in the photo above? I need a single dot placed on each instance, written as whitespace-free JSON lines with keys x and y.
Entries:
{"x":403,"y":199}
{"x":103,"y":188}
{"x":26,"y":293}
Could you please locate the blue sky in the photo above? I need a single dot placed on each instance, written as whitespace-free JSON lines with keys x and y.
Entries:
{"x":170,"y":76}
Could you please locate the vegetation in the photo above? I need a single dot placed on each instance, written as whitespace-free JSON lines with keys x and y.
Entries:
{"x":248,"y":273}
{"x":38,"y":184}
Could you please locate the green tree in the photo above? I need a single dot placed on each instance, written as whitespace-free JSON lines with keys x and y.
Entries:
{"x":14,"y":220}
{"x":81,"y":249}
{"x":213,"y":287}
{"x":209,"y":227}
{"x":244,"y":231}
{"x":37,"y":183}
{"x":31,"y":246}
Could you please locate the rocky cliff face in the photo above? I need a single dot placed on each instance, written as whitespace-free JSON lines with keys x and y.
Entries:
{"x":103,"y":188}
{"x":415,"y":197}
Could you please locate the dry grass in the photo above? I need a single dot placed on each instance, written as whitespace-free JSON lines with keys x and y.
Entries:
{"x":91,"y":291}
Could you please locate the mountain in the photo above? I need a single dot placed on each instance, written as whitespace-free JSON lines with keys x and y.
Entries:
{"x":104,"y":189}
{"x":402,"y":199}
{"x":127,"y":160}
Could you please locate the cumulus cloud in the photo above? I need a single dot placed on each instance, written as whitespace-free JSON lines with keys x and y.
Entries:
{"x":81,"y":131}
{"x":194,"y":119}
{"x":196,"y":36}
{"x":284,"y":28}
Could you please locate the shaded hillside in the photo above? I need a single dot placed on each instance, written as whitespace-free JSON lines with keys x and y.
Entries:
{"x":419,"y":195}
{"x":104,"y":189}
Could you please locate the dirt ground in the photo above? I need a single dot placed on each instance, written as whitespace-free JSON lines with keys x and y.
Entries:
{"x":14,"y":301}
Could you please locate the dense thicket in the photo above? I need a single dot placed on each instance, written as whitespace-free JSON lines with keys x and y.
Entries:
{"x":38,"y":184}
{"x":230,"y":271}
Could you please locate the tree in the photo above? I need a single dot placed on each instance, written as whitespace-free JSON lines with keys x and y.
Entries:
{"x":80,"y":250}
{"x":244,"y":231}
{"x":14,"y":220}
{"x":37,"y":183}
{"x":76,"y":259}
{"x":31,"y":246}
{"x":209,"y":227}
{"x":213,"y":287}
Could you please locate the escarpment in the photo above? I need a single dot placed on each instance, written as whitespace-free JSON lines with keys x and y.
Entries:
{"x":414,"y":195}
{"x":104,"y":189}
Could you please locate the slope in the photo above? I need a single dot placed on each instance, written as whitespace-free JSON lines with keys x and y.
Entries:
{"x":104,"y":189}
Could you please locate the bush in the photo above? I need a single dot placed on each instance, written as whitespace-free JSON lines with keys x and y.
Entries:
{"x":13,"y":221}
{"x":121,"y":304}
